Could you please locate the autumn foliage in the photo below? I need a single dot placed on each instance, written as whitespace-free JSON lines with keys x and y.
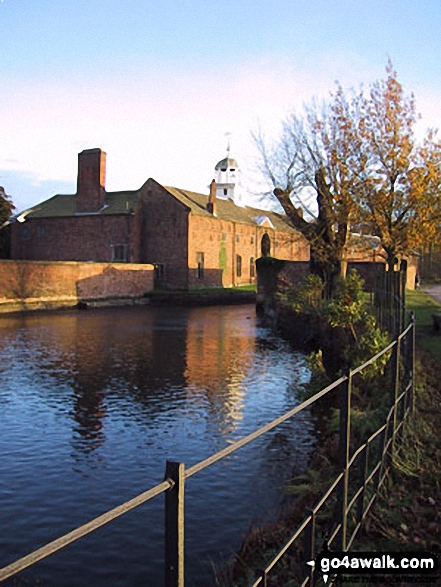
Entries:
{"x":358,"y":156}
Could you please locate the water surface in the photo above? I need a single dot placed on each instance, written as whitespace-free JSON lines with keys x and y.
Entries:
{"x":93,"y":403}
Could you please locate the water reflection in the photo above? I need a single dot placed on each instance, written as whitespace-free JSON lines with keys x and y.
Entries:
{"x":218,"y":355}
{"x":94,"y":402}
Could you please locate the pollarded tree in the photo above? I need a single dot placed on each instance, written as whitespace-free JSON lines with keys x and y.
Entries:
{"x":6,"y":206}
{"x":6,"y":209}
{"x":320,"y":154}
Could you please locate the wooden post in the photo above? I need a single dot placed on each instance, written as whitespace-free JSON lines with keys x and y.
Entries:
{"x":174,"y":525}
{"x":344,"y":449}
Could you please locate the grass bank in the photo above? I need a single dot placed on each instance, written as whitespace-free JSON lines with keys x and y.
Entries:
{"x":407,"y":513}
{"x":408,"y":517}
{"x":423,"y":307}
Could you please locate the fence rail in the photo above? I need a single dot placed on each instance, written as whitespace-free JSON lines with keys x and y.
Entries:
{"x":371,"y":476}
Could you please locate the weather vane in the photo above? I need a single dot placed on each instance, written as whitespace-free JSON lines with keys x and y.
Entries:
{"x":228,"y":135}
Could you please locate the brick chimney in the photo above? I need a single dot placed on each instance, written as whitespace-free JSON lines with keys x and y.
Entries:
{"x":211,"y":205}
{"x":91,"y":182}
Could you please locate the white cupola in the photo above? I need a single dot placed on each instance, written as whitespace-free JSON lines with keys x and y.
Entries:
{"x":228,"y":179}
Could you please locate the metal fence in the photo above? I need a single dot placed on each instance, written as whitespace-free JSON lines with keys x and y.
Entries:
{"x":363,"y":473}
{"x":354,"y":489}
{"x":389,"y":299}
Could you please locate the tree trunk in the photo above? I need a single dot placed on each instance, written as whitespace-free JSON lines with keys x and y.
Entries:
{"x":328,"y":268}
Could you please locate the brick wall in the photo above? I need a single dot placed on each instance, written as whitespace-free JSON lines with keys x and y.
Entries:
{"x":40,"y":284}
{"x":229,"y":249}
{"x":78,"y":238}
{"x":162,"y":231}
{"x":294,"y":272}
{"x":91,"y":180}
{"x":222,"y":243}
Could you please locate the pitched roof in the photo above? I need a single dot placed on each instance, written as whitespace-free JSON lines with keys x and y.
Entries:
{"x":228,"y":210}
{"x":64,"y":205}
{"x":124,"y":202}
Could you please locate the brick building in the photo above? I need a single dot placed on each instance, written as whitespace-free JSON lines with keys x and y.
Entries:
{"x":192,"y":239}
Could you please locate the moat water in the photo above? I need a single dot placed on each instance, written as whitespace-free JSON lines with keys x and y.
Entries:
{"x":93,"y":403}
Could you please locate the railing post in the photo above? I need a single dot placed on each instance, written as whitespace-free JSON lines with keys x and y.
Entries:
{"x":262,"y":574}
{"x":174,"y":525}
{"x":395,"y":393}
{"x":403,"y":268}
{"x":344,"y":449}
{"x":310,"y":544}
{"x":383,"y":439}
{"x":412,"y":363}
{"x":364,"y":464}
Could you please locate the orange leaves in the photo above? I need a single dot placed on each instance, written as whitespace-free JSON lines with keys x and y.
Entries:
{"x":358,"y":153}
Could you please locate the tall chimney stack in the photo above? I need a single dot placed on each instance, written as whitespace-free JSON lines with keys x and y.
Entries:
{"x":91,"y":182}
{"x":212,"y":204}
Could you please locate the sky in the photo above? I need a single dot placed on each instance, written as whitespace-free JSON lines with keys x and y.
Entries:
{"x":158,"y":84}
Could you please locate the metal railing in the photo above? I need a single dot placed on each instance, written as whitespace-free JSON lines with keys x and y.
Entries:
{"x":359,"y":491}
{"x":349,"y":496}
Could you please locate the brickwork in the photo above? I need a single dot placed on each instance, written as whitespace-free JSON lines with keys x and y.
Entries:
{"x":91,"y":180}
{"x":193,"y":240}
{"x":46,"y":283}
{"x":77,"y":238}
{"x":222,"y":243}
{"x":163,"y":234}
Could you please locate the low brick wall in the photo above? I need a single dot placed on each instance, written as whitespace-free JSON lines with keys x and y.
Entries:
{"x":276,"y":276}
{"x":29,"y":285}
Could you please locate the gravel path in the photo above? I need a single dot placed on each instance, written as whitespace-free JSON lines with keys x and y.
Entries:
{"x":434,"y":291}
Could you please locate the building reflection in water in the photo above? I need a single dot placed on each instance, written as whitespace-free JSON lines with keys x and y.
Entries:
{"x":219,"y":353}
{"x":169,"y":356}
{"x":143,"y":363}
{"x":124,"y":361}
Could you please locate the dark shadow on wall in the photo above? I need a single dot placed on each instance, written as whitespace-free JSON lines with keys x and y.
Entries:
{"x":203,"y":277}
{"x":115,"y":283}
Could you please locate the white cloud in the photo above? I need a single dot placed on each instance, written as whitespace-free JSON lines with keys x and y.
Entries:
{"x":167,"y":123}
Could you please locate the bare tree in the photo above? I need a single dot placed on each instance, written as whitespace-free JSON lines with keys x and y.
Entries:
{"x":319,"y":153}
{"x":359,"y":157}
{"x":6,"y":209}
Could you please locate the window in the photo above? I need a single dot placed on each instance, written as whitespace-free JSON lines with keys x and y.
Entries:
{"x":119,"y":253}
{"x":237,"y":238}
{"x":265,"y":245}
{"x":200,"y":268}
{"x":25,"y":233}
{"x":225,"y":192}
{"x":224,"y":236}
{"x":238,"y":265}
{"x":159,"y":274}
{"x":252,"y":268}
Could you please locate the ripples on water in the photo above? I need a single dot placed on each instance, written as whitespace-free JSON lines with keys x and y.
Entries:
{"x":93,"y":403}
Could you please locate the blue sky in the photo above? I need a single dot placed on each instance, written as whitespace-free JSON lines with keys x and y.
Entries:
{"x":158,"y":84}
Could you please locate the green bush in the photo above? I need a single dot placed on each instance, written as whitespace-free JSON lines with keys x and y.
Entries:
{"x":307,"y":297}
